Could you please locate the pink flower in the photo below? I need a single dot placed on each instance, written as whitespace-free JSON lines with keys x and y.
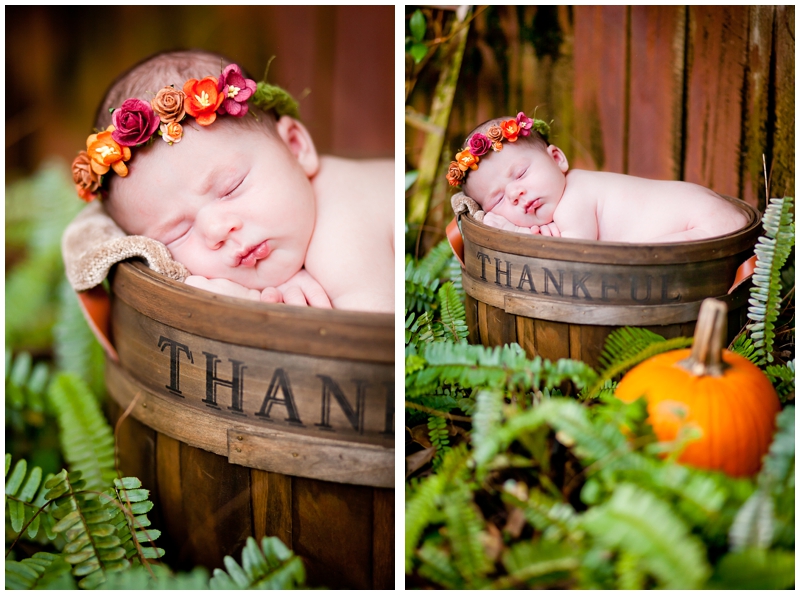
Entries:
{"x":236,"y":90}
{"x":525,"y":124}
{"x":134,"y":123}
{"x":479,"y":144}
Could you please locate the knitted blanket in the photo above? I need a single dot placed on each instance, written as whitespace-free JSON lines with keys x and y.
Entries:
{"x":93,"y":243}
{"x":461,"y":203}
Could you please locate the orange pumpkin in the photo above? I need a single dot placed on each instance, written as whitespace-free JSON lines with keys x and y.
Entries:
{"x":724,"y":395}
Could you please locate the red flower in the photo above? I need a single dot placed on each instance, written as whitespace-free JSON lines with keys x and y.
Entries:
{"x":134,"y":123}
{"x":235,"y":90}
{"x":202,"y":99}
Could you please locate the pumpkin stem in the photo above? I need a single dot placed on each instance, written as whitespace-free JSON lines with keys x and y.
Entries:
{"x":706,"y":356}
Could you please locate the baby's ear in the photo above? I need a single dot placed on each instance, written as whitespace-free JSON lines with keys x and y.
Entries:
{"x":300,"y":144}
{"x":559,"y":157}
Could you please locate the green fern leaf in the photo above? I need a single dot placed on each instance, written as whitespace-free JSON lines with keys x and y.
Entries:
{"x":636,"y":521}
{"x":157,"y":577}
{"x":86,"y":438}
{"x":24,"y":501}
{"x":625,"y":343}
{"x":772,"y":250}
{"x":452,"y":313}
{"x":754,"y":524}
{"x":782,"y":377}
{"x":43,"y":570}
{"x":466,"y":535}
{"x":753,"y":569}
{"x":437,"y":566}
{"x":272,"y":566}
{"x":132,"y":502}
{"x":531,"y":563}
{"x":555,"y":518}
{"x":743,"y":345}
{"x":778,"y":467}
{"x":93,"y":546}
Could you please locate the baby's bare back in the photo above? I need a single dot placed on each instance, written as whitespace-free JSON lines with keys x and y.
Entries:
{"x":351,"y":253}
{"x":620,"y":208}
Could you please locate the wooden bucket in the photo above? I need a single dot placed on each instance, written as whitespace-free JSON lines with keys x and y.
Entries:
{"x":560,"y":298}
{"x":257,"y":419}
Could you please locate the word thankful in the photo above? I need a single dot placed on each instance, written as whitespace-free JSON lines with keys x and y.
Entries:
{"x":280,"y":402}
{"x":571,"y":282}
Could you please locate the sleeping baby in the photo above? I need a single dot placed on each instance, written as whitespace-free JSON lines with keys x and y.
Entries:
{"x":220,"y":170}
{"x":524,"y":184}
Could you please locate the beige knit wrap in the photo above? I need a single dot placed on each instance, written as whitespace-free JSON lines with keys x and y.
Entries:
{"x":93,"y":243}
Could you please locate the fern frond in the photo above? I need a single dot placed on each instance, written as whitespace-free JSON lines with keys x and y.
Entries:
{"x":25,"y":501}
{"x":753,"y":570}
{"x":437,"y":566}
{"x":466,"y":535}
{"x":782,"y":377}
{"x":43,"y":570}
{"x":530,"y":563}
{"x":624,"y":343}
{"x":634,"y":520}
{"x":453,"y":274}
{"x":272,"y":566}
{"x":487,"y":417}
{"x":420,"y":329}
{"x":436,"y":262}
{"x":451,"y":311}
{"x":618,"y":366}
{"x":423,"y":502}
{"x":93,"y":547}
{"x":555,"y":518}
{"x":772,"y":250}
{"x":131,"y":520}
{"x":778,"y":466}
{"x":75,"y":346}
{"x":86,"y":438}
{"x":754,"y":524}
{"x":25,"y":382}
{"x":420,"y":288}
{"x":439,"y":437}
{"x":744,"y":346}
{"x":157,"y":577}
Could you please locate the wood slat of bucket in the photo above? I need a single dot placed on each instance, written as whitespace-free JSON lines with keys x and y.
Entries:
{"x":311,"y":331}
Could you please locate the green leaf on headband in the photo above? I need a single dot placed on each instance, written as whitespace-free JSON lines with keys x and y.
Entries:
{"x":418,"y":26}
{"x":418,"y":52}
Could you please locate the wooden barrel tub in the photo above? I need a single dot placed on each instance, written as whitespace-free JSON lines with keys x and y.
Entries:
{"x":257,"y":419}
{"x":561,"y":298}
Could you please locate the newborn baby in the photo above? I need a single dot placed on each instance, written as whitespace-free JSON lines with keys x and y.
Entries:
{"x":525,"y":185}
{"x":242,"y":199}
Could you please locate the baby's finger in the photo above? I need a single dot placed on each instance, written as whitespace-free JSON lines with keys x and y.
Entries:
{"x":271,"y":295}
{"x":545,"y":230}
{"x":535,"y":229}
{"x":294,"y":296}
{"x":556,"y":233}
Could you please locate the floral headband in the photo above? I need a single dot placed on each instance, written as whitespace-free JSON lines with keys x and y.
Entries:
{"x":136,"y":123}
{"x":479,"y":144}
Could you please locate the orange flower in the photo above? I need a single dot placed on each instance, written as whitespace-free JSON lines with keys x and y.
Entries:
{"x":510,"y":130}
{"x":105,"y":152}
{"x":202,"y":99}
{"x":466,"y":160}
{"x":86,"y":180}
{"x":497,"y":146}
{"x":454,"y":174}
{"x":495,"y":134}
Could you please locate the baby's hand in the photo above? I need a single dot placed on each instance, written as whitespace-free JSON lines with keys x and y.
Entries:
{"x":223,"y":286}
{"x":499,"y":222}
{"x":300,"y":290}
{"x":549,"y":229}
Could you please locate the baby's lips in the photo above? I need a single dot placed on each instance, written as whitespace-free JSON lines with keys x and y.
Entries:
{"x":533,"y":206}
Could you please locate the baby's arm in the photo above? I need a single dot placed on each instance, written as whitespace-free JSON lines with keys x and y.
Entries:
{"x":550,"y":229}
{"x":301,"y":290}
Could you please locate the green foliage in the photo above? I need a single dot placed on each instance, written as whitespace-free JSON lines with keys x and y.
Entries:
{"x":628,"y":346}
{"x":157,"y":577}
{"x":25,"y":501}
{"x":273,"y":566}
{"x":93,"y":547}
{"x":131,"y":520}
{"x":43,"y":570}
{"x":772,"y":251}
{"x":783,"y":379}
{"x":25,"y":390}
{"x":414,"y":45}
{"x":86,"y":438}
{"x":744,"y":346}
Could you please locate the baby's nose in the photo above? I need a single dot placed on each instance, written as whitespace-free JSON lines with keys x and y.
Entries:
{"x":218,"y":229}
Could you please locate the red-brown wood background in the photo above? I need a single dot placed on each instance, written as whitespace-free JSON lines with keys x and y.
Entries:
{"x":60,"y":60}
{"x":665,"y":92}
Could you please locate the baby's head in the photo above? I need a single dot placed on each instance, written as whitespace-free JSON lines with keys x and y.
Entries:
{"x":510,"y":170}
{"x":229,"y":193}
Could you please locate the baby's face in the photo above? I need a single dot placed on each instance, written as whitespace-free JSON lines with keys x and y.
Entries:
{"x":228,"y":201}
{"x":522,"y":183}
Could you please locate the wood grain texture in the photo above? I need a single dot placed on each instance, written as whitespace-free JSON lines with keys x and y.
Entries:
{"x":656,"y":91}
{"x":272,"y":505}
{"x":718,"y":46}
{"x":783,"y":152}
{"x":329,"y":333}
{"x":216,"y":504}
{"x":471,"y":312}
{"x":600,"y":90}
{"x":552,"y":339}
{"x":170,"y":501}
{"x":383,"y":536}
{"x":526,"y":335}
{"x":332,"y":527}
{"x":299,"y":456}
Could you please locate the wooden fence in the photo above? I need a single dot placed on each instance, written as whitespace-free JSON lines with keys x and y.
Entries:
{"x":666,"y":92}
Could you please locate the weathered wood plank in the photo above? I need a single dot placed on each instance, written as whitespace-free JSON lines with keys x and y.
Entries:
{"x":783,"y":144}
{"x":216,"y":502}
{"x":526,"y":335}
{"x":170,"y":503}
{"x":759,"y":50}
{"x":656,"y":91}
{"x":552,"y":339}
{"x":500,"y":327}
{"x":332,"y":528}
{"x":600,"y":88}
{"x":471,"y":310}
{"x":718,"y":46}
{"x":272,"y":505}
{"x":383,"y":536}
